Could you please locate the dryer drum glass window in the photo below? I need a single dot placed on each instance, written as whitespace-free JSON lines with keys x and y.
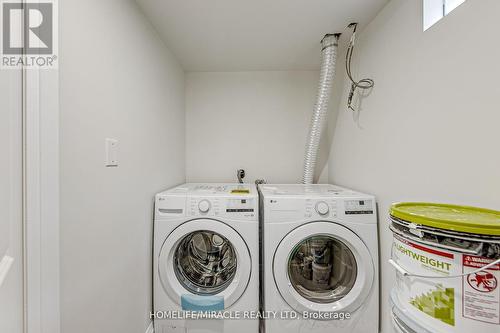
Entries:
{"x":322,"y":269}
{"x":205,"y":262}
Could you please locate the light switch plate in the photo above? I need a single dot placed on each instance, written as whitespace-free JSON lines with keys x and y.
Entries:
{"x":111,"y":152}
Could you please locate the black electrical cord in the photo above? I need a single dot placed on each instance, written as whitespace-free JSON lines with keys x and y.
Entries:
{"x":361,"y":84}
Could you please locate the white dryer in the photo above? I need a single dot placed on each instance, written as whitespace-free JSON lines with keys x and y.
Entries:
{"x":206,"y":247}
{"x":320,"y":259}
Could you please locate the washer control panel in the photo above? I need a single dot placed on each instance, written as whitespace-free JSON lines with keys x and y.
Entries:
{"x":204,"y":206}
{"x":198,"y":200}
{"x":223,"y":207}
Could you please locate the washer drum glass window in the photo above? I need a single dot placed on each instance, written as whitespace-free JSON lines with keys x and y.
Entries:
{"x":322,"y":269}
{"x":205,"y":262}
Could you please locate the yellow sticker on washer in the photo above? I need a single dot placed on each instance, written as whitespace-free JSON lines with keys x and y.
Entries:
{"x":240,"y":191}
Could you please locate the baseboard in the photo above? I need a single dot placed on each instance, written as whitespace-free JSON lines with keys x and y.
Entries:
{"x":150,"y":328}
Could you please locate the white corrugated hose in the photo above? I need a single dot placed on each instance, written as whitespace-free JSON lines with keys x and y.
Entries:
{"x":329,"y":46}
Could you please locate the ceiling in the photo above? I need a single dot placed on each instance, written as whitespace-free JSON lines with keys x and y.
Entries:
{"x":237,"y":35}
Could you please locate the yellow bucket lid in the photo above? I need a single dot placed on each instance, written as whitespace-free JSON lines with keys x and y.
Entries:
{"x":449,"y":217}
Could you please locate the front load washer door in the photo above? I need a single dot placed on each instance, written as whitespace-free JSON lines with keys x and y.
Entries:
{"x":207,"y":258}
{"x":323,"y":267}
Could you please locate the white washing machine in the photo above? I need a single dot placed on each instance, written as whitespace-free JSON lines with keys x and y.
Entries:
{"x":320,"y":259}
{"x":206,"y":249}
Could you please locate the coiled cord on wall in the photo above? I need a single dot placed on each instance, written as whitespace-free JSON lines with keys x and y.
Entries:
{"x":329,"y":46}
{"x":366,"y":83}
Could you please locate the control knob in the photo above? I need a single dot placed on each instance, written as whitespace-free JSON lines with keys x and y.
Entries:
{"x":322,"y":208}
{"x":204,"y":206}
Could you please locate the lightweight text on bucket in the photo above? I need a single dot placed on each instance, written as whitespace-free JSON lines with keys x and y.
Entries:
{"x":405,"y":272}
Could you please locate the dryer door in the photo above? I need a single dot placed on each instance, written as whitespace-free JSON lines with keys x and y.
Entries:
{"x":323,"y":267}
{"x":204,"y":258}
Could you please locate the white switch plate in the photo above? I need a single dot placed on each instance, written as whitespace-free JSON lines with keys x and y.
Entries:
{"x":111,"y":152}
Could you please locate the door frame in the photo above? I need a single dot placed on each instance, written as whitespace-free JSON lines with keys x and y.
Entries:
{"x":41,"y":200}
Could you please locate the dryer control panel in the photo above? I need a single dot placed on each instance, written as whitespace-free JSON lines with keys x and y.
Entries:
{"x":289,"y":203}
{"x":354,"y":207}
{"x":322,"y":208}
{"x":362,"y":210}
{"x":292,"y":209}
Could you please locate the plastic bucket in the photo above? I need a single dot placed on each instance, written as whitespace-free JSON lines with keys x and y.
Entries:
{"x":402,"y":322}
{"x":448,"y":268}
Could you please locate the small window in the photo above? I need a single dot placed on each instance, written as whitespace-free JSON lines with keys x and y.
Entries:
{"x":435,"y":10}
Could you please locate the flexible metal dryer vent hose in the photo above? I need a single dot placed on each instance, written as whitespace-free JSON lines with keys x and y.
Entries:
{"x":329,"y":45}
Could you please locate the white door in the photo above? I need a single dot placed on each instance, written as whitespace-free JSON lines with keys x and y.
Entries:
{"x":206,"y":258}
{"x":323,"y":267}
{"x":11,"y":220}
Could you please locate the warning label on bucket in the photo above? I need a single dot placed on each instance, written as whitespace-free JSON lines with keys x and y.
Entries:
{"x":481,"y":293}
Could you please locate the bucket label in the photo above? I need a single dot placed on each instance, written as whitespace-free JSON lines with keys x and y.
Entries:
{"x":436,"y":294}
{"x":481,"y":293}
{"x":428,"y":258}
{"x":436,"y":298}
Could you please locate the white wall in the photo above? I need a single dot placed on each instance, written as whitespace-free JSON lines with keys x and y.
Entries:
{"x":11,"y":203}
{"x":429,"y":130}
{"x":117,"y":80}
{"x":252,"y":120}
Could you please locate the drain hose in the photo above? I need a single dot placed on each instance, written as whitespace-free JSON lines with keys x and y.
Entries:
{"x":329,"y":46}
